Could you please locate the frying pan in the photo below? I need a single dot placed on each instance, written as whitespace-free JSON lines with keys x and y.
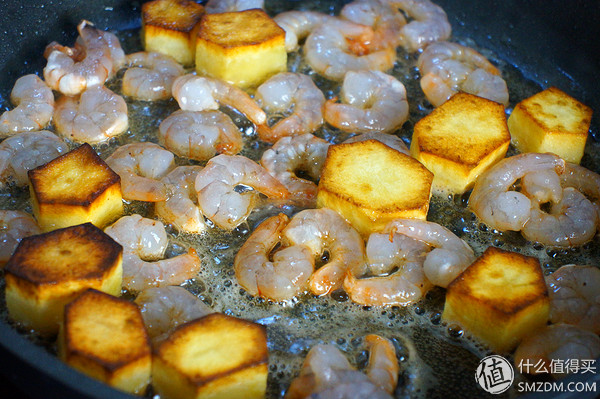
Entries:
{"x":553,"y":43}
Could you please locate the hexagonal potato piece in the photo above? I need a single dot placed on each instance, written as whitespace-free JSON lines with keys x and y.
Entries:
{"x":75,"y":188}
{"x":551,"y":121}
{"x":48,"y":270}
{"x":216,"y":356}
{"x":104,"y":337}
{"x":244,"y":48}
{"x":499,"y":299}
{"x":459,"y":140}
{"x":370,"y":184}
{"x":168,"y":28}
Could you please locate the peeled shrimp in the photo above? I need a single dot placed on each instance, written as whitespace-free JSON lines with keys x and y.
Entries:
{"x":556,"y":342}
{"x":219,"y":6}
{"x":216,"y":184}
{"x":196,"y":93}
{"x":289,"y":155}
{"x":450,"y":255}
{"x":144,"y":244}
{"x":34,"y":105}
{"x":583,"y":180}
{"x":383,"y":367}
{"x":66,"y":71}
{"x":200,"y":134}
{"x":447,"y":68}
{"x":338,"y":46}
{"x":141,"y":166}
{"x":165,"y":308}
{"x":390,"y":140}
{"x":294,"y":91}
{"x":14,"y":226}
{"x":385,"y":20}
{"x":574,"y":293}
{"x":150,"y":75}
{"x":96,"y":115}
{"x":374,"y":101}
{"x":429,"y":24}
{"x":298,"y":24}
{"x":25,"y":151}
{"x":181,"y":206}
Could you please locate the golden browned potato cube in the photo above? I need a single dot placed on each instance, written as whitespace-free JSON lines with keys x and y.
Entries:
{"x":459,"y":140}
{"x":216,"y":356}
{"x":370,"y":184}
{"x":104,"y":337}
{"x":75,"y":188}
{"x":168,"y":28}
{"x":48,"y":270}
{"x":243,"y":48}
{"x":499,"y":299}
{"x":551,"y":121}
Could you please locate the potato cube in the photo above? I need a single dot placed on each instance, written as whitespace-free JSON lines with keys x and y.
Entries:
{"x":499,"y":299}
{"x":75,"y":188}
{"x":216,"y":356}
{"x":551,"y":121}
{"x":168,"y":28}
{"x":104,"y":337}
{"x":243,"y":48}
{"x":48,"y":270}
{"x":459,"y":140}
{"x":370,"y":184}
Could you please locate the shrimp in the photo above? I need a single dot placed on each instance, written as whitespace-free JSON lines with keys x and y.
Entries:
{"x":447,"y":68}
{"x":144,"y":244}
{"x":492,"y":199}
{"x":141,"y":166}
{"x":390,"y":140}
{"x":450,"y":255}
{"x":298,"y":24}
{"x":216,"y":187}
{"x":66,"y":72}
{"x":34,"y":105}
{"x":197,"y":93}
{"x":165,"y":308}
{"x":386,"y":21}
{"x":14,"y":226}
{"x":219,"y":6}
{"x":403,"y":286}
{"x":181,"y":208}
{"x":556,"y":342}
{"x":331,"y":49}
{"x":574,"y":293}
{"x":429,"y":24}
{"x":150,"y":75}
{"x":281,"y":277}
{"x":290,"y":155}
{"x":200,"y":134}
{"x":295,"y":91}
{"x":25,"y":151}
{"x":583,"y":180}
{"x":95,"y":116}
{"x":383,"y":366}
{"x":374,"y":102}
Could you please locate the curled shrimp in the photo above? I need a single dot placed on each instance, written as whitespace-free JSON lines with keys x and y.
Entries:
{"x":574,"y":293}
{"x":181,"y":206}
{"x":165,"y":308}
{"x":95,"y":116}
{"x":197,"y":93}
{"x":390,"y":140}
{"x":66,"y":71}
{"x":200,"y":134}
{"x":385,"y":20}
{"x":447,"y":68}
{"x":289,"y":156}
{"x":338,"y":46}
{"x":141,"y":166}
{"x":14,"y":226}
{"x":295,"y":91}
{"x":584,"y":181}
{"x":34,"y":105}
{"x":25,"y":151}
{"x":556,"y":342}
{"x":144,"y":244}
{"x":219,"y":6}
{"x":372,"y":101}
{"x":150,"y":75}
{"x":216,"y":187}
{"x":298,"y":24}
{"x":429,"y":24}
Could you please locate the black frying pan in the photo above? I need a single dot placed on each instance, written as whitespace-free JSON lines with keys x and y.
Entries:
{"x":554,"y":43}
